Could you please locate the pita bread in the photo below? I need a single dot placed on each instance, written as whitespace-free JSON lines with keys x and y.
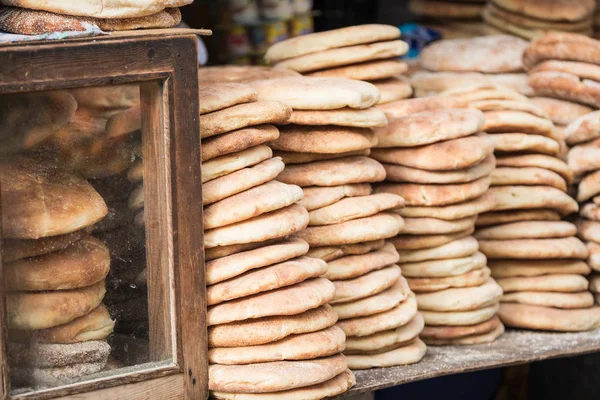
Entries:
{"x":234,"y":265}
{"x":17,"y":249}
{"x":588,"y":230}
{"x":329,"y":253}
{"x":444,"y":268}
{"x":400,"y":315}
{"x":253,"y":202}
{"x":459,"y":318}
{"x":595,"y":283}
{"x":352,"y":266}
{"x":504,"y":176}
{"x":345,"y":56}
{"x":223,"y":251}
{"x":404,"y":355}
{"x":272,"y":225}
{"x":274,"y":376}
{"x":429,"y":127}
{"x":224,"y":95}
{"x":292,"y":157}
{"x":517,"y":121}
{"x":366,"y":285}
{"x":242,"y":116}
{"x":539,"y":161}
{"x":227,"y":164}
{"x":468,"y":208}
{"x":583,"y":129}
{"x":431,"y":226}
{"x":380,"y":341}
{"x":442,"y":9}
{"x":514,"y":268}
{"x":399,"y":173}
{"x":241,"y":180}
{"x":491,"y":54}
{"x":377,"y":303}
{"x":570,"y":247}
{"x":379,"y":226}
{"x":136,"y":172}
{"x":354,"y":207}
{"x":528,"y":230}
{"x":477,"y":92}
{"x":330,"y":388}
{"x":304,"y":93}
{"x":240,"y":74}
{"x":416,"y":242}
{"x":264,"y":279}
{"x":235,"y":141}
{"x":566,"y":86}
{"x":368,"y":118}
{"x":456,"y":249}
{"x":503,"y":217}
{"x":516,"y":81}
{"x":270,"y":329}
{"x":507,"y":105}
{"x":531,"y":197}
{"x":289,"y":300}
{"x":561,"y":46}
{"x":328,"y":139}
{"x":304,"y":346}
{"x":333,"y":172}
{"x":551,"y":299}
{"x":549,"y":318}
{"x":451,"y":155}
{"x":431,"y":84}
{"x":315,"y":42}
{"x":452,"y":332}
{"x":319,"y":197}
{"x":583,"y":159}
{"x":589,"y":186}
{"x":406,"y":107}
{"x":392,"y":89}
{"x":523,"y":142}
{"x":473,"y":278}
{"x":566,"y":283}
{"x":582,"y":70}
{"x":590,"y":211}
{"x":136,"y":199}
{"x":366,"y":71}
{"x":461,"y":299}
{"x":436,"y":195}
{"x":567,"y":10}
{"x":527,"y":21}
{"x":469,"y":340}
{"x":560,"y":112}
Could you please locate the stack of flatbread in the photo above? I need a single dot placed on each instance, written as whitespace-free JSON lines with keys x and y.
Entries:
{"x":448,"y":10}
{"x":208,"y":76}
{"x":565,"y":66}
{"x":36,"y":17}
{"x":270,"y":328}
{"x":325,"y":150}
{"x":482,"y":60}
{"x":440,"y":163}
{"x":584,"y":160}
{"x":54,"y":273}
{"x":532,"y":18}
{"x":362,"y":52}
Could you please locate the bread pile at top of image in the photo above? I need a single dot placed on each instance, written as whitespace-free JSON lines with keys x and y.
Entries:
{"x":27,"y":17}
{"x":54,"y":270}
{"x":271,"y":331}
{"x":438,"y":160}
{"x":456,"y":63}
{"x":532,"y":18}
{"x":453,"y":18}
{"x":363,"y":52}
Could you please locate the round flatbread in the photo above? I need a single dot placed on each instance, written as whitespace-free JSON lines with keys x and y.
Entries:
{"x":503,"y":217}
{"x":588,"y":230}
{"x":459,"y":318}
{"x":566,"y":86}
{"x":444,"y":268}
{"x":434,"y":9}
{"x":589,"y":186}
{"x":507,"y":105}
{"x":354,"y":207}
{"x":459,"y":248}
{"x":366,"y":71}
{"x":532,"y":197}
{"x":504,"y":176}
{"x":366,"y":285}
{"x":539,"y":161}
{"x":555,"y":11}
{"x":384,"y":339}
{"x":227,"y":164}
{"x":590,"y":211}
{"x":329,"y":253}
{"x":452,"y":332}
{"x":430,"y":226}
{"x":551,"y":299}
{"x":514,"y":268}
{"x":570,"y":247}
{"x":469,"y":340}
{"x":561,"y":112}
{"x":594,"y":258}
{"x":326,"y":140}
{"x":294,"y":157}
{"x":528,"y":230}
{"x":582,"y":159}
{"x":465,"y":209}
{"x":231,"y":142}
{"x":404,"y":355}
{"x":549,"y":318}
{"x":371,"y":117}
{"x":290,"y":300}
{"x":517,"y":121}
{"x":392,"y":89}
{"x":583,"y":129}
{"x":473,"y":278}
{"x":352,"y":266}
{"x":224,"y":95}
{"x":417,"y":242}
{"x":272,"y":225}
{"x":405,"y":107}
{"x":524,"y":142}
{"x":317,"y":197}
{"x":562,"y":283}
{"x":461,"y":299}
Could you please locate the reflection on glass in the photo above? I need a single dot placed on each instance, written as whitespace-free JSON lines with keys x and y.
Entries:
{"x":74,"y":259}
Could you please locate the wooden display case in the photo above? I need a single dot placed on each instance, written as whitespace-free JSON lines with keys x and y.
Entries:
{"x":164,"y":64}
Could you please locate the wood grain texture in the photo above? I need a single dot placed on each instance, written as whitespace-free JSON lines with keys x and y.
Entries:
{"x":4,"y":367}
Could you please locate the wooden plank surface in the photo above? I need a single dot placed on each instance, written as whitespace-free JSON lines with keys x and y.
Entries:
{"x":512,"y":348}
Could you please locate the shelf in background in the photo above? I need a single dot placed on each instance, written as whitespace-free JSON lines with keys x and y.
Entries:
{"x":512,"y":348}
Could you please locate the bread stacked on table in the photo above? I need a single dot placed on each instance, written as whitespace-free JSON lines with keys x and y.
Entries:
{"x":54,"y":273}
{"x":271,"y":331}
{"x":39,"y":17}
{"x":481,"y":60}
{"x":532,"y":18}
{"x":326,"y":153}
{"x":362,"y":52}
{"x":440,"y":163}
{"x":583,"y":135}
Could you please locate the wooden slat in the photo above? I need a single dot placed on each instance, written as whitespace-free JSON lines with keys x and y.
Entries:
{"x":4,"y":367}
{"x":167,"y":388}
{"x":512,"y":348}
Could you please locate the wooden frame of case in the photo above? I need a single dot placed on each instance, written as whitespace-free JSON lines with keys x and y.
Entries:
{"x":164,"y":62}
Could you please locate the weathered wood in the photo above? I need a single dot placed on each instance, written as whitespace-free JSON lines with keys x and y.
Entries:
{"x":4,"y":367}
{"x":166,"y":388}
{"x":512,"y":348}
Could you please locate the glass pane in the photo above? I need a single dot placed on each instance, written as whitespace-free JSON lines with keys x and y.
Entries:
{"x":75,"y":254}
